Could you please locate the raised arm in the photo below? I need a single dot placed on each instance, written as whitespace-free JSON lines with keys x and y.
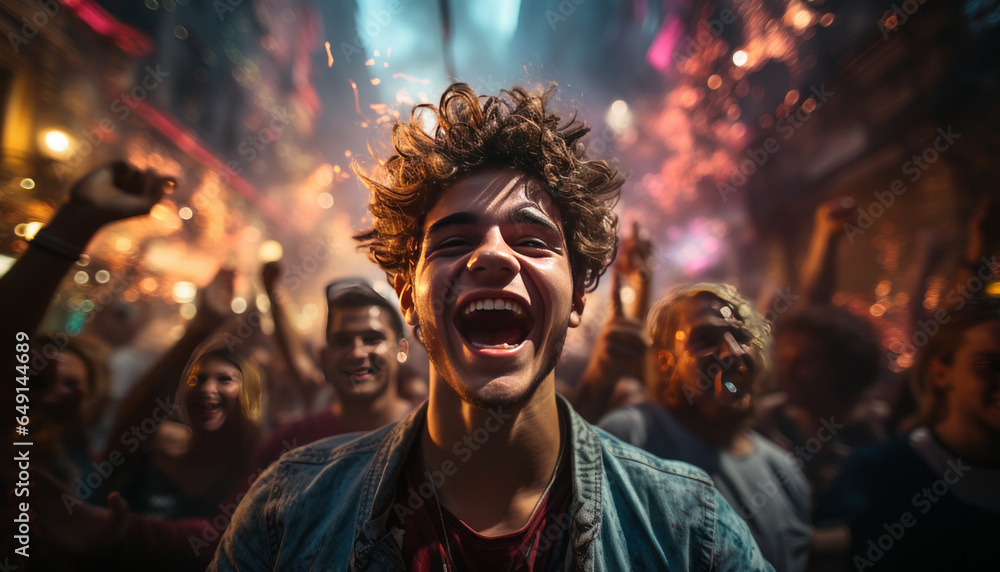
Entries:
{"x":620,"y":350}
{"x":112,"y":192}
{"x":636,"y":265}
{"x":818,"y":280}
{"x":307,"y":375}
{"x":158,"y":385}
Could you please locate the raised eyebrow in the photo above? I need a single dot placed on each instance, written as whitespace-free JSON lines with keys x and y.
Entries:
{"x":527,"y":216}
{"x":454,"y":219}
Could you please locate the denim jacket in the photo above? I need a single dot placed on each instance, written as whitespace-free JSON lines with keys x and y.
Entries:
{"x":330,"y":506}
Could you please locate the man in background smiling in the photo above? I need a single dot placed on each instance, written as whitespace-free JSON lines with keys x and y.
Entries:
{"x":492,"y":224}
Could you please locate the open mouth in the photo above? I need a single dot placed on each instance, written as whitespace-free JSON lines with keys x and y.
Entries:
{"x":496,"y":323}
{"x":206,"y":410}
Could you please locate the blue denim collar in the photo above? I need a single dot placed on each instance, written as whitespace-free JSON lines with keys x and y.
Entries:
{"x":375,"y":542}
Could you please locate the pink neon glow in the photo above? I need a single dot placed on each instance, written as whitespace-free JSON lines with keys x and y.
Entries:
{"x":662,"y":49}
{"x":189,"y":143}
{"x":129,"y":39}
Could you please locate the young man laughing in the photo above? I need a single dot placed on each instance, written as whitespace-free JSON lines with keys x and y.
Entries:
{"x":492,"y":224}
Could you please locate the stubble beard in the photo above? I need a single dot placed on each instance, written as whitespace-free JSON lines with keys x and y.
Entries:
{"x":439,"y":360}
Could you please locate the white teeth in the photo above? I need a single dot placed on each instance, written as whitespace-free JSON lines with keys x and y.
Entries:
{"x":502,"y":346}
{"x":496,"y":304}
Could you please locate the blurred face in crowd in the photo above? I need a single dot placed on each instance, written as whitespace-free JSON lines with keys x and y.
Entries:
{"x":66,"y":391}
{"x":362,"y":356}
{"x":493,"y":291}
{"x":213,"y":394}
{"x":972,"y":381}
{"x":804,"y":370}
{"x":715,"y":367}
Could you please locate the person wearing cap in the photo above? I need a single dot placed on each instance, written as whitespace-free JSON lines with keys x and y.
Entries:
{"x":710,"y":351}
{"x":365,"y":347}
{"x":493,"y":224}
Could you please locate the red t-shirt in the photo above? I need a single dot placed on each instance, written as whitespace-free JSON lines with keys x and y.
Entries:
{"x":540,"y":544}
{"x":310,"y":428}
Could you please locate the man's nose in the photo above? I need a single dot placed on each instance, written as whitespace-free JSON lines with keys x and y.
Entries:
{"x":358,"y":348}
{"x":208,"y":385}
{"x":493,"y":258}
{"x":730,"y":347}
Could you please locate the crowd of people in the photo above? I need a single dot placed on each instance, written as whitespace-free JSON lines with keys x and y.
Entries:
{"x":699,"y":436}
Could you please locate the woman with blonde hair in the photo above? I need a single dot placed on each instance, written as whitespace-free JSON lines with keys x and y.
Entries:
{"x":191,"y":465}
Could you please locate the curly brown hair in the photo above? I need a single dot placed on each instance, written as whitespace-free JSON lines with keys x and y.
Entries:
{"x":474,"y":133}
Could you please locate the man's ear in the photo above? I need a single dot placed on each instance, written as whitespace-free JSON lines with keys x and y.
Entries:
{"x":403,"y":352}
{"x":404,"y":289}
{"x":579,"y":301}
